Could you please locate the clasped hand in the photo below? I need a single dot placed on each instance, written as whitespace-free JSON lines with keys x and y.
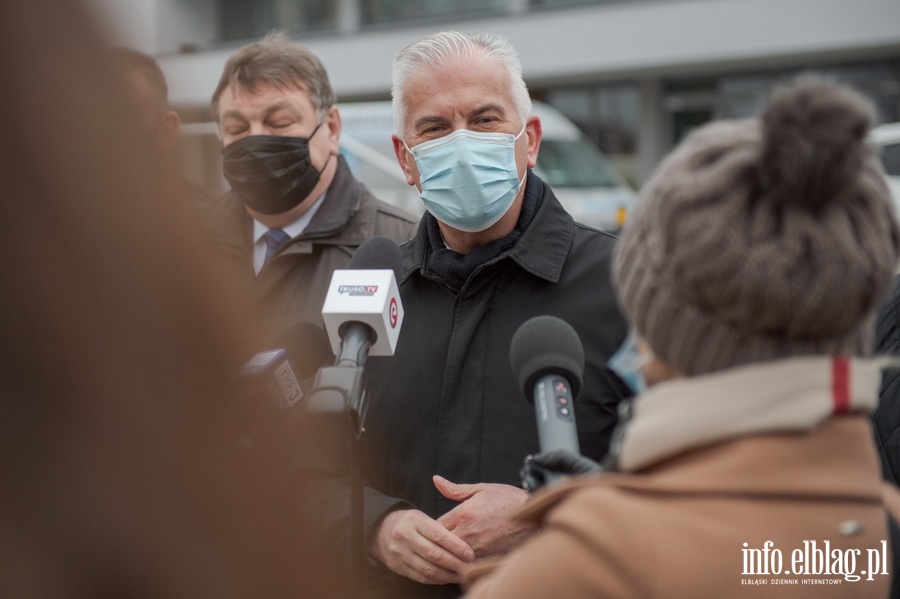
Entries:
{"x":434,"y":551}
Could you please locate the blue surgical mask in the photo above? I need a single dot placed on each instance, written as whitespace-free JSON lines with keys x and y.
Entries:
{"x":627,"y":363}
{"x":469,"y":179}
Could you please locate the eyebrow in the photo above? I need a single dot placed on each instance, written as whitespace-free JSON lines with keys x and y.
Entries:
{"x":486,"y":108}
{"x":430,"y":120}
{"x":275,"y":107}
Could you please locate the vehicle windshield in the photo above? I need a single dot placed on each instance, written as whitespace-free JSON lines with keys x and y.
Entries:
{"x":890,"y":158}
{"x":569,"y":163}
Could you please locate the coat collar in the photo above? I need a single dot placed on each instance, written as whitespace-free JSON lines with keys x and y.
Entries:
{"x":541,"y":250}
{"x":545,"y":244}
{"x":332,"y":224}
{"x":343,"y":200}
{"x":790,"y":395}
{"x":735,"y":434}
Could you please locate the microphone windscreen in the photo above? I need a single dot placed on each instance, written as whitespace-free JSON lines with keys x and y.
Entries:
{"x":377,"y":253}
{"x":307,"y":347}
{"x":546,"y":345}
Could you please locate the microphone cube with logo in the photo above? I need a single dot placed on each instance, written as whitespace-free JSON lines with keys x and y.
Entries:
{"x":271,"y":370}
{"x":368,"y":296}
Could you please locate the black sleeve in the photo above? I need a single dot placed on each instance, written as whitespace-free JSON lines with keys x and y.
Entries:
{"x":887,"y":416}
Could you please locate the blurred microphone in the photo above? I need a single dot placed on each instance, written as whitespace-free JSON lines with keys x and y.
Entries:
{"x":547,"y":359}
{"x":277,"y":373}
{"x":362,"y":310}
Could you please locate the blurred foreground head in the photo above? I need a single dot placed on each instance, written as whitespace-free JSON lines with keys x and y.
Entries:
{"x":142,"y":77}
{"x":124,"y":465}
{"x":763,"y":239}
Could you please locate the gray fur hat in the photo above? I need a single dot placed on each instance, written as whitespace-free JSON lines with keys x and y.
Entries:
{"x":762,"y":239}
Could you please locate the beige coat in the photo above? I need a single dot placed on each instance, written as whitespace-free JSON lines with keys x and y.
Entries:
{"x":712,"y":479}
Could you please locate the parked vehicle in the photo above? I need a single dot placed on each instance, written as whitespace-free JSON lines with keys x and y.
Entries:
{"x":582,"y":177}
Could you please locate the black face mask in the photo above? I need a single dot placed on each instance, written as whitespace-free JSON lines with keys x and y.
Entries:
{"x":270,"y":173}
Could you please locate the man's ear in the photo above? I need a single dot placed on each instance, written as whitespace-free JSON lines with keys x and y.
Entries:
{"x":407,"y":163}
{"x":334,"y":124}
{"x":533,"y":133}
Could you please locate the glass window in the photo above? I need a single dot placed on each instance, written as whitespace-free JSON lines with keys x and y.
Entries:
{"x":251,"y":19}
{"x":568,"y":3}
{"x":377,"y":12}
{"x":609,"y":115}
{"x":691,"y":103}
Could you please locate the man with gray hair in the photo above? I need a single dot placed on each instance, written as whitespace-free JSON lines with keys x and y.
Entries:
{"x":447,"y":427}
{"x":295,"y":212}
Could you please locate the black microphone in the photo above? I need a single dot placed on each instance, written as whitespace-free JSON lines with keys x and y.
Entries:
{"x":362,"y":314}
{"x":377,"y":253}
{"x":276,"y":373}
{"x":362,"y":310}
{"x":547,"y":359}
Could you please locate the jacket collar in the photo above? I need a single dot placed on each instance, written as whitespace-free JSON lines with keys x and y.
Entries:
{"x":545,"y":244}
{"x":790,"y":395}
{"x":343,"y":200}
{"x":541,"y":250}
{"x":332,"y":224}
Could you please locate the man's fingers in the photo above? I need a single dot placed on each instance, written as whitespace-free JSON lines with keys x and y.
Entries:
{"x":419,"y":548}
{"x":437,"y":555}
{"x":452,"y":490}
{"x":446,"y":542}
{"x":427,"y":572}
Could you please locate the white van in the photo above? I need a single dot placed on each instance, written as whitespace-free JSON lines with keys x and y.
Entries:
{"x":583,"y":179}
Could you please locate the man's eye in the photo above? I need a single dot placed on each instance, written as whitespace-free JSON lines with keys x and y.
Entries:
{"x":281,"y":124}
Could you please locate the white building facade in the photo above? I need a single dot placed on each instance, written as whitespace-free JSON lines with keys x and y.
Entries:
{"x":635,"y":75}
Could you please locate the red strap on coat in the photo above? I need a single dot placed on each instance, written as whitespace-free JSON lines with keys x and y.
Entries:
{"x":840,"y":384}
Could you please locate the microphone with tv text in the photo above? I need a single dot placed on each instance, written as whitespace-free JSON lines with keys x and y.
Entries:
{"x":362,"y":314}
{"x":362,"y":310}
{"x":302,"y":349}
{"x":547,"y":359}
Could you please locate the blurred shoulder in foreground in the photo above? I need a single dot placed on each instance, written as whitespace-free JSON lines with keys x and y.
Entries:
{"x":127,"y":464}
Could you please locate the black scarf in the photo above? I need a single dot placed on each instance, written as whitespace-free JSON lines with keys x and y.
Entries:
{"x":454,"y":268}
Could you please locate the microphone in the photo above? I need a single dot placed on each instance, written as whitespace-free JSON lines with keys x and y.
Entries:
{"x":362,"y":309}
{"x":362,"y":314}
{"x":276,"y":373}
{"x":547,"y":359}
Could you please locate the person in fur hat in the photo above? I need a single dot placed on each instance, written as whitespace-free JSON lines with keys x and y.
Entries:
{"x":750,"y":271}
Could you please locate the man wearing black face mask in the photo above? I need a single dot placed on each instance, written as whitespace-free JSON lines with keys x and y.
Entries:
{"x":295,"y":212}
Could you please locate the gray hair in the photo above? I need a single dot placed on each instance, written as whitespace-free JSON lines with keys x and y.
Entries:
{"x":279,"y":61}
{"x":440,"y":48}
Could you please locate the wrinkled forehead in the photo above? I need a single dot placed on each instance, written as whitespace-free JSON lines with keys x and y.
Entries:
{"x":458,"y":79}
{"x":255,"y":85}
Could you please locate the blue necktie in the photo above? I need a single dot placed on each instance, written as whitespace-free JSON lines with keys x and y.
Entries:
{"x":275,"y":238}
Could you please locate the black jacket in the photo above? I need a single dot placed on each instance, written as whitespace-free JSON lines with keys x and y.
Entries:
{"x":887,"y":416}
{"x":447,"y":402}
